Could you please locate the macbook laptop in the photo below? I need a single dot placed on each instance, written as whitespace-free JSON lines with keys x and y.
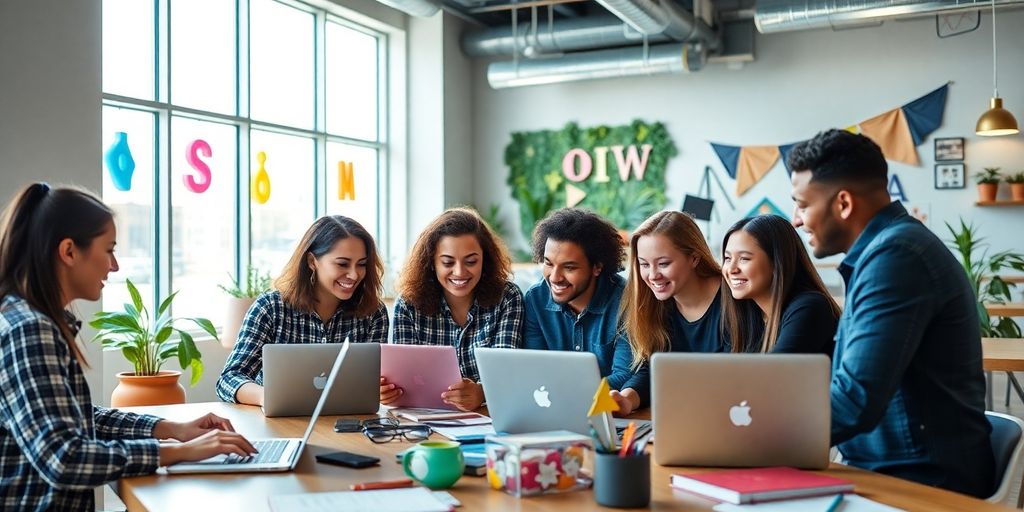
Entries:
{"x":274,"y":454}
{"x":741,"y":410}
{"x":422,"y":371}
{"x":538,"y":390}
{"x":294,"y":375}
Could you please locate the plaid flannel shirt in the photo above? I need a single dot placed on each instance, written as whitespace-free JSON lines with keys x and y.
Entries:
{"x":271,"y":320}
{"x":500,"y":326}
{"x":55,"y":445}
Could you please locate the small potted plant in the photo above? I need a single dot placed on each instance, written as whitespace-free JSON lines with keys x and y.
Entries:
{"x":242,"y":295}
{"x":988,"y":183}
{"x":1016,"y":182}
{"x":148,"y":343}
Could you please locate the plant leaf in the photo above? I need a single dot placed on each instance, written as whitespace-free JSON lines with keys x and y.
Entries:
{"x":136,"y":296}
{"x":206,"y":325}
{"x":186,"y":349}
{"x":165,"y":304}
{"x":197,"y":372}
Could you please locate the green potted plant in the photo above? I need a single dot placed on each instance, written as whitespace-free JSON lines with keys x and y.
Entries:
{"x":988,"y":183}
{"x":241,"y":296}
{"x":148,"y":343}
{"x":983,"y":273}
{"x":1016,"y":182}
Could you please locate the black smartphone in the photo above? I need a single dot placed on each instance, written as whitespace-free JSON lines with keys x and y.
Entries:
{"x":348,"y":459}
{"x":348,"y":425}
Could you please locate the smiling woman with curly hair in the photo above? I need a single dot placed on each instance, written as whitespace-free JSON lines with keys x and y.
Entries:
{"x":455,"y":290}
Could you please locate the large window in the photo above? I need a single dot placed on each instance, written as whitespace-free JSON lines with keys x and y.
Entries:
{"x":205,"y":104}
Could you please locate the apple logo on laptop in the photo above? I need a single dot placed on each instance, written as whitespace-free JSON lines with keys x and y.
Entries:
{"x":739,"y":415}
{"x":541,"y":397}
{"x":320,"y":381}
{"x":419,"y":380}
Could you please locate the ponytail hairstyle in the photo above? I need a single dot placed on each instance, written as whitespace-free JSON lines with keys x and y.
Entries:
{"x":32,"y":227}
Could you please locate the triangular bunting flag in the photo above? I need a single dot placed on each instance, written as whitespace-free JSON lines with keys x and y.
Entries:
{"x":755,"y":162}
{"x":729,"y":155}
{"x":784,"y":153}
{"x":924,"y":115}
{"x":891,"y":133}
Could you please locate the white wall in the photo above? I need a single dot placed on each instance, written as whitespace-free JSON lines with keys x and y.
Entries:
{"x":801,"y":83}
{"x":50,"y":107}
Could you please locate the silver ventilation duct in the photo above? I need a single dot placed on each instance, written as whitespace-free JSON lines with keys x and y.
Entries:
{"x":618,"y":62}
{"x":587,"y":33}
{"x":418,"y":8}
{"x":665,"y":17}
{"x":786,"y":15}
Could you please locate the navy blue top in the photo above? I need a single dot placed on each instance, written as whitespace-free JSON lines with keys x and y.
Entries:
{"x":701,"y":335}
{"x":552,"y":326}
{"x":908,"y":392}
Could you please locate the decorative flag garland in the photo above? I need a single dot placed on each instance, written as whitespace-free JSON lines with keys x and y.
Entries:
{"x":897,"y":132}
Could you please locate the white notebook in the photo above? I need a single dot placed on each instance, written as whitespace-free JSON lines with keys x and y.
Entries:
{"x":416,"y":499}
{"x":851,"y":503}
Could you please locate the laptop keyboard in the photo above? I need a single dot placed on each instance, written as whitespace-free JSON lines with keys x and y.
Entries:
{"x":269,"y":451}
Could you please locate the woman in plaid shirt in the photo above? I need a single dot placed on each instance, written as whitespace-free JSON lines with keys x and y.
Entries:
{"x":455,"y":290}
{"x":330,"y":289}
{"x":57,"y":245}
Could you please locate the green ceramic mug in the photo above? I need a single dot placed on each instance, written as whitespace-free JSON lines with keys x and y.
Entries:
{"x":435,"y":464}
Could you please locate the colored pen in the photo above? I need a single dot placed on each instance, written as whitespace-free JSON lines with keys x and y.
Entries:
{"x":832,"y":507}
{"x":388,"y":484}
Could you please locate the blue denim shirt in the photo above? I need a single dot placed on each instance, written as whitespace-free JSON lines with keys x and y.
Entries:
{"x":907,"y":388}
{"x":551,"y":326}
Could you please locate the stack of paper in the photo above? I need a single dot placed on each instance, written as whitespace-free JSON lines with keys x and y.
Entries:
{"x":416,"y":499}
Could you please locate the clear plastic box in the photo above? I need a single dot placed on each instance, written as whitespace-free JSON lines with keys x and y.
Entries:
{"x":540,"y":463}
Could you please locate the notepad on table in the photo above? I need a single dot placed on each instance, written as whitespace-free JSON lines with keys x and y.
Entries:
{"x":416,"y":499}
{"x":851,"y":503}
{"x":760,"y":484}
{"x":422,"y":414}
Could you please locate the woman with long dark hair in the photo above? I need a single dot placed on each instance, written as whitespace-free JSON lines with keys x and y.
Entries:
{"x":56,"y":246}
{"x":455,"y":290}
{"x":775,"y":300}
{"x":330,"y":289}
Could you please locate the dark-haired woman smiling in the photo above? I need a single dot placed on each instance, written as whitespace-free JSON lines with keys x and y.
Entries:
{"x":455,"y":290}
{"x":56,"y":246}
{"x":775,"y":301}
{"x":330,"y":289}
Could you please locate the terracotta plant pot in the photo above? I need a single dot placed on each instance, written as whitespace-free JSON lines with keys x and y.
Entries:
{"x":1017,"y":191}
{"x":160,"y":389}
{"x":237,"y":307}
{"x":987,"y":191}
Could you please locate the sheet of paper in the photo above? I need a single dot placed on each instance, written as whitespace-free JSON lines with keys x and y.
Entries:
{"x":467,"y":431}
{"x":850,"y":503}
{"x":416,"y":499}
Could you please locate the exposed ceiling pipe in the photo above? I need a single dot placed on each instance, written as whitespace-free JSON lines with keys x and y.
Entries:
{"x":618,"y":62}
{"x":586,"y":33}
{"x":663,"y":17}
{"x":418,"y":8}
{"x":773,"y":16}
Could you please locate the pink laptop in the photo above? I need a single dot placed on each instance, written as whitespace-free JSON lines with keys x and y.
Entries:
{"x":422,"y":371}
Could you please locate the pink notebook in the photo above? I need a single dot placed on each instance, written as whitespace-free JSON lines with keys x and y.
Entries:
{"x":760,"y":484}
{"x":422,"y":371}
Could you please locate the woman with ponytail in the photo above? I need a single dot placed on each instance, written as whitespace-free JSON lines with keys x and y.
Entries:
{"x":57,"y":245}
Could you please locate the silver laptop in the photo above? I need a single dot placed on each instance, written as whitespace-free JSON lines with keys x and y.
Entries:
{"x":281,"y":454}
{"x":294,"y":374}
{"x":538,"y":390}
{"x":741,"y":409}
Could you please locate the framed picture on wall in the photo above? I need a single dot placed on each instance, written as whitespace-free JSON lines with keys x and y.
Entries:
{"x":949,"y":176}
{"x":949,"y":149}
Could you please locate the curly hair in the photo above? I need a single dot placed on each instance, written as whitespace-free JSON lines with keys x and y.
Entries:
{"x":294,"y":282}
{"x":417,"y":283}
{"x":842,"y":158}
{"x":597,"y":237}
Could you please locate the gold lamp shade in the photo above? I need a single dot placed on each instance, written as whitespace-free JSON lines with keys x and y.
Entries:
{"x":996,"y":121}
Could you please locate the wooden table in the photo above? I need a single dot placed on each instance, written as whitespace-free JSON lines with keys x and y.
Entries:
{"x":1008,"y":309}
{"x":1002,"y":355}
{"x":249,"y":492}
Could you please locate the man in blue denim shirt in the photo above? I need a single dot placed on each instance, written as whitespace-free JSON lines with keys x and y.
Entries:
{"x":576,"y":306}
{"x":907,"y":387}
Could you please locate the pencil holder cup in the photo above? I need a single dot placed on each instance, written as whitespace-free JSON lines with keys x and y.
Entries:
{"x":622,"y":482}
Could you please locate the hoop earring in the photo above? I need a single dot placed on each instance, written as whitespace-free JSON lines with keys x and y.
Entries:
{"x":312,"y":278}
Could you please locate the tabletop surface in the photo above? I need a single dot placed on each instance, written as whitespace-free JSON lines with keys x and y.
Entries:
{"x":1003,"y":354}
{"x":249,"y":492}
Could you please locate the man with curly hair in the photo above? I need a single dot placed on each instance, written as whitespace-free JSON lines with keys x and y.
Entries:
{"x":576,"y":306}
